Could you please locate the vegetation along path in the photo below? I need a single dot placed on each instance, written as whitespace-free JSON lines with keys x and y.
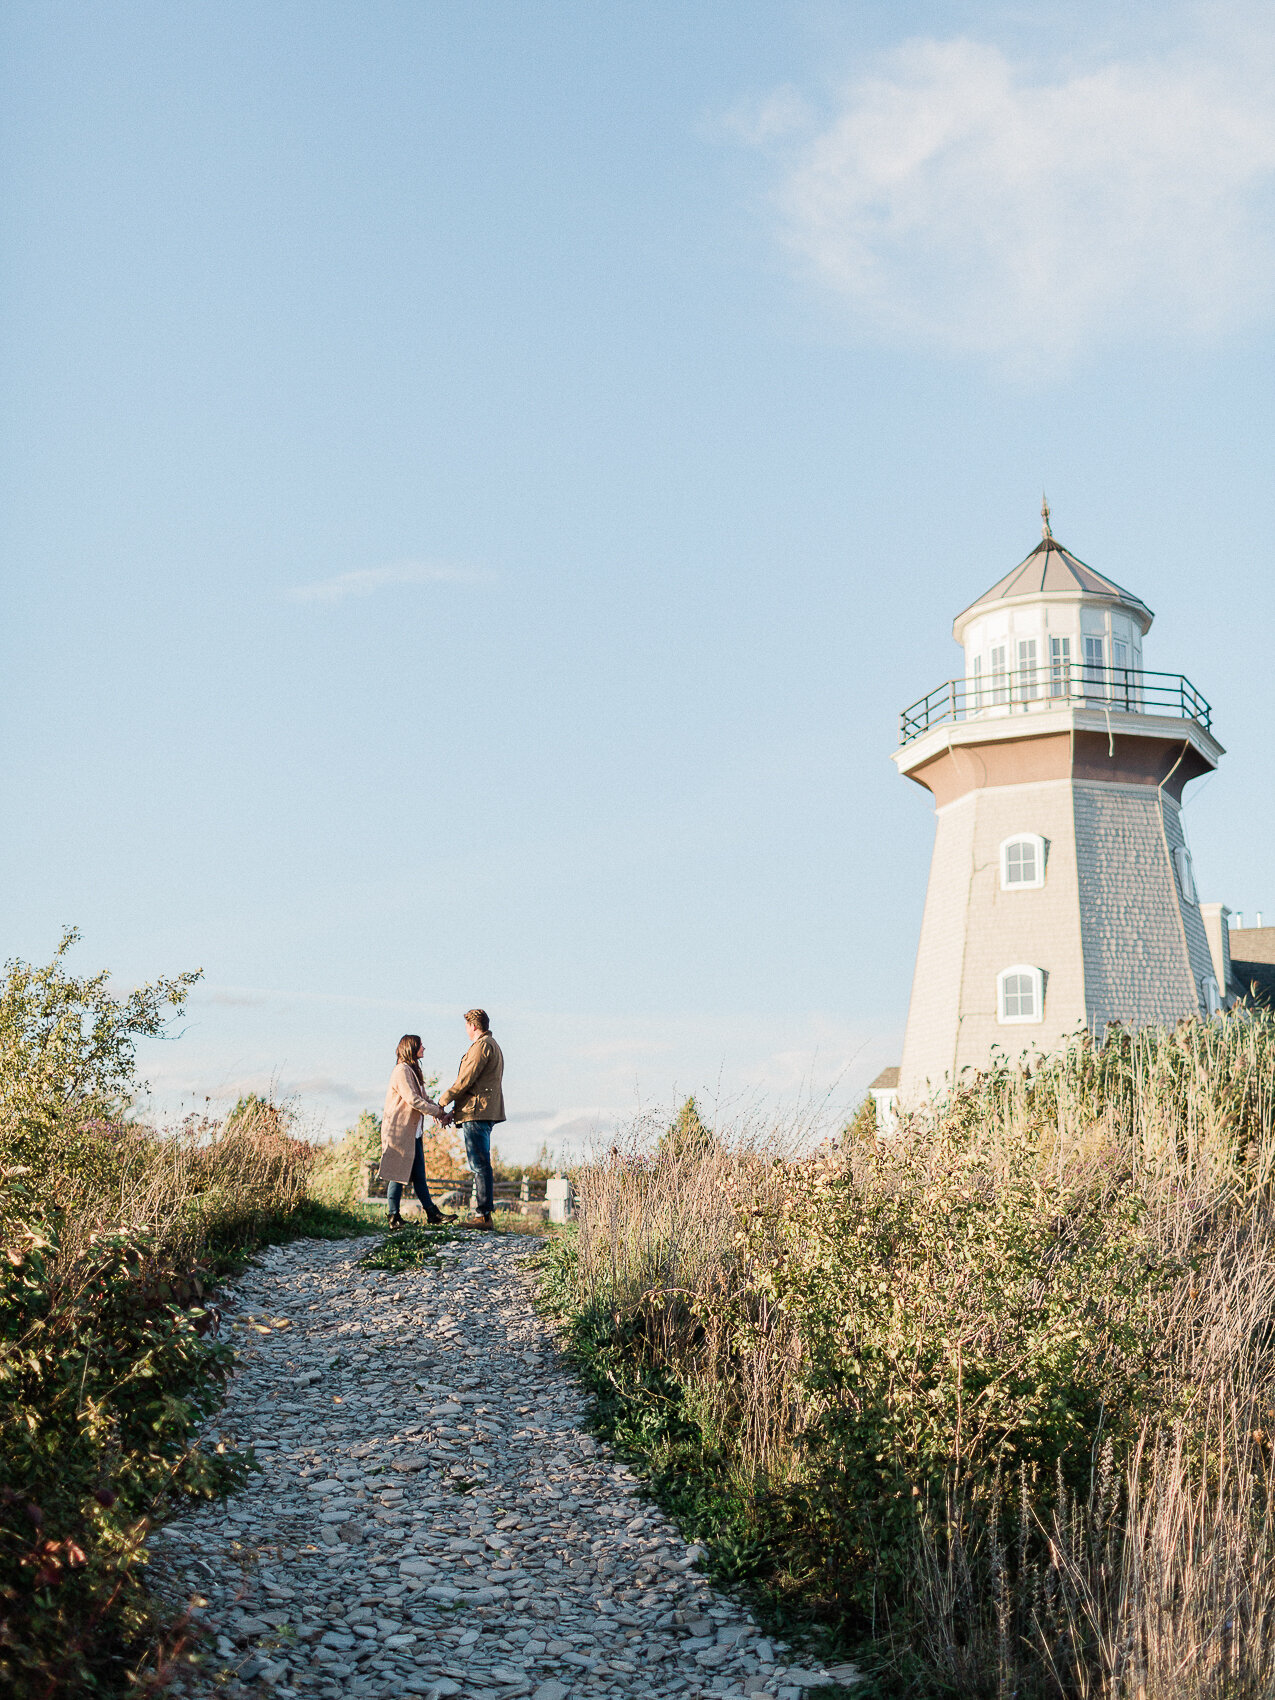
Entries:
{"x":430,"y":1517}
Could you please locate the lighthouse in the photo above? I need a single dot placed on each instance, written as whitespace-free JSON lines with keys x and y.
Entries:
{"x":1062,"y":895}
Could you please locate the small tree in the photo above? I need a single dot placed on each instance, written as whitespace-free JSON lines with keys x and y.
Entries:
{"x":687,"y":1136}
{"x":367,"y":1130}
{"x":862,"y":1126}
{"x":68,"y":1051}
{"x":260,"y":1115}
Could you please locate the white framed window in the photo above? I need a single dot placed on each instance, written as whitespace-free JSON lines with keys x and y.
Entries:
{"x":1095,"y":662}
{"x":1186,"y":874}
{"x":1000,"y":678}
{"x":1026,"y":669}
{"x":1020,"y":994}
{"x":1209,"y":992}
{"x":1022,"y":862}
{"x":977,"y":692}
{"x":1060,"y":666}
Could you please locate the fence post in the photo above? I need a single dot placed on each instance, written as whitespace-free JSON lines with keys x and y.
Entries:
{"x":560,"y":1198}
{"x":525,"y":1191}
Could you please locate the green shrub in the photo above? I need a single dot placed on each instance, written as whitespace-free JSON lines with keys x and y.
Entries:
{"x":954,"y":1332}
{"x":991,"y":1396}
{"x":68,"y":1063}
{"x":107,"y":1364}
{"x":111,"y":1235}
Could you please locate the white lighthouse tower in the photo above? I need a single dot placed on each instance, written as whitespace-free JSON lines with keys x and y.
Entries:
{"x":1061,"y":890}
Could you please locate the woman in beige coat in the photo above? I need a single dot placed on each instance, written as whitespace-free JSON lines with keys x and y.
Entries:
{"x":402,"y":1119}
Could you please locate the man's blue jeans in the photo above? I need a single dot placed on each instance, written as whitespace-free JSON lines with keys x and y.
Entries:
{"x":417,"y":1181}
{"x":478,"y":1154}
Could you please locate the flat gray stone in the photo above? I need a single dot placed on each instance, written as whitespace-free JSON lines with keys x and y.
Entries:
{"x":354,"y":1532}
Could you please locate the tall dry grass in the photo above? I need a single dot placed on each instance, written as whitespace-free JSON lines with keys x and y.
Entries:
{"x":1002,"y":1386}
{"x":186,"y":1189}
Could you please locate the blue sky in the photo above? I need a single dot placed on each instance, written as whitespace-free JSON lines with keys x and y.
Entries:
{"x":482,"y":480}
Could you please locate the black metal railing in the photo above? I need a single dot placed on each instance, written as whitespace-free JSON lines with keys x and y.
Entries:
{"x":1130,"y":690}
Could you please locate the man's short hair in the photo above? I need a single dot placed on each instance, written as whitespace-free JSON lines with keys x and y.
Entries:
{"x":478,"y":1018}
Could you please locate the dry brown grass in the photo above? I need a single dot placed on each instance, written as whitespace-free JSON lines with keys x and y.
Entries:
{"x":201,"y":1185}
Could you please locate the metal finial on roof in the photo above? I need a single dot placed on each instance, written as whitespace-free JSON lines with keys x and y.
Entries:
{"x":1045,"y":532}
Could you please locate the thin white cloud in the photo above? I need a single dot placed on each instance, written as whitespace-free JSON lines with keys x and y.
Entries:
{"x":367,"y":580}
{"x":955,"y":199}
{"x":343,"y":1091}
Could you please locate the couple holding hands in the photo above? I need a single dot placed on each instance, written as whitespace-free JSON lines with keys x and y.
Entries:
{"x":477,"y":1102}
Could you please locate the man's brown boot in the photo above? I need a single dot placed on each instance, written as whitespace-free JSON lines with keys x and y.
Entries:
{"x":483,"y":1221}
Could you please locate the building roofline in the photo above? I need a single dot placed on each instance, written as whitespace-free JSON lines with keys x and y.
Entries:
{"x":1027,"y":583}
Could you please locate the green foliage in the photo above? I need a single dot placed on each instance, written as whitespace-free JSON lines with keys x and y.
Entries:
{"x":67,"y":1056}
{"x":862,"y":1126}
{"x":262,"y":1114}
{"x":340,"y":1168}
{"x":110,"y":1238}
{"x":368,"y":1129}
{"x":954,"y":1330}
{"x":537,"y":1172}
{"x":987,"y":1401}
{"x":107,"y":1364}
{"x":409,"y":1248}
{"x":653,"y":1419}
{"x":687,"y":1135}
{"x":68,"y":1043}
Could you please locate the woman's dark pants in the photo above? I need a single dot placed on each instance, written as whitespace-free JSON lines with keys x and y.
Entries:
{"x":418,"y":1183}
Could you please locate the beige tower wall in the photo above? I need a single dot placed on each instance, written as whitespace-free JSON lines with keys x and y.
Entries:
{"x":971,"y":930}
{"x":1145,"y":948}
{"x":929,"y":1047}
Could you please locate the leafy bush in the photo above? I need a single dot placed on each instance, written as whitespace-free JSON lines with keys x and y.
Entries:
{"x":991,"y":1395}
{"x":107,"y":1364}
{"x":110,"y":1237}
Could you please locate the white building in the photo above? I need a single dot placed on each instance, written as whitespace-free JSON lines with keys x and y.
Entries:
{"x":1062,"y":894}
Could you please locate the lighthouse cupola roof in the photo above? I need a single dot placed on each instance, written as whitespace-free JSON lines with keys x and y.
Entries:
{"x":1052,"y":573}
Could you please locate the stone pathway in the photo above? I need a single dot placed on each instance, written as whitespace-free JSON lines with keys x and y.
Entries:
{"x":430,"y":1518}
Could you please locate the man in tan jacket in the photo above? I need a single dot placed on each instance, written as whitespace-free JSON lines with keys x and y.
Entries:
{"x":478,"y":1103}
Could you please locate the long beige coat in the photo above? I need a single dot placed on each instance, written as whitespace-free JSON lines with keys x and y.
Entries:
{"x":477,"y":1093}
{"x":406,"y":1107}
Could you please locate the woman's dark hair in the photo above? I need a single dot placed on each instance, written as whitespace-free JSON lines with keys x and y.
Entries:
{"x":409,"y":1048}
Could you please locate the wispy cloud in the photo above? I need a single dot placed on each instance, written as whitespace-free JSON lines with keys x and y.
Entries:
{"x":955,"y":198}
{"x":341,"y":1091}
{"x":367,"y":580}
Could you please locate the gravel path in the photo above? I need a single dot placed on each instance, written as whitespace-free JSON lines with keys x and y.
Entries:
{"x":430,"y":1518}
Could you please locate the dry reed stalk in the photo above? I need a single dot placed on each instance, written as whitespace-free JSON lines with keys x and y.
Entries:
{"x":181,"y":1188}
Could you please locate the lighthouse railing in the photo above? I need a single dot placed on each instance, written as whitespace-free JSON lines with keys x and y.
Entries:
{"x":1127,"y":690}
